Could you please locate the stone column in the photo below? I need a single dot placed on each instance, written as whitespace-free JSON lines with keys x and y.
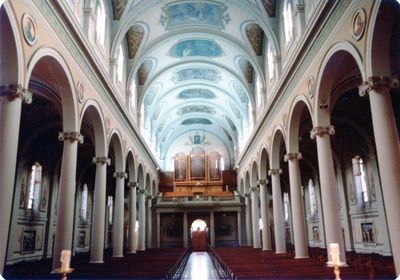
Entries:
{"x":388,"y":153}
{"x":149,"y":222}
{"x":11,"y":98}
{"x":266,"y":238}
{"x":119,"y":209}
{"x":249,"y":235}
{"x":185,"y":231}
{"x":99,"y":202}
{"x":255,"y":211}
{"x":329,"y":191}
{"x":239,"y":225}
{"x":66,"y":195}
{"x":279,"y":223}
{"x":158,"y":231}
{"x":132,"y":217}
{"x":298,"y":217}
{"x":142,"y":220}
{"x":212,"y":229}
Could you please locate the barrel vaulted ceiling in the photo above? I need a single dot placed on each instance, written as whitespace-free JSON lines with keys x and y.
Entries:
{"x":193,"y":66}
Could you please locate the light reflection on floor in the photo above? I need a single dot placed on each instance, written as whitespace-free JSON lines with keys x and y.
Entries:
{"x":199,"y":267}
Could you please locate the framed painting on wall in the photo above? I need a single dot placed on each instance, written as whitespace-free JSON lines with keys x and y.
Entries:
{"x":28,"y":243}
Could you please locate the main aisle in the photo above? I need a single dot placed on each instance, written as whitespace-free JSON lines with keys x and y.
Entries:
{"x":199,"y":266}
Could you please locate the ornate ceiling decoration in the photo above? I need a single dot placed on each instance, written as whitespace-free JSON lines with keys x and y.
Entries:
{"x":255,"y":34}
{"x":118,"y":8}
{"x":269,"y":6}
{"x":134,"y":38}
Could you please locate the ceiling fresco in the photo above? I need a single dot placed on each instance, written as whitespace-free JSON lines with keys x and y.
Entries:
{"x":194,"y":64}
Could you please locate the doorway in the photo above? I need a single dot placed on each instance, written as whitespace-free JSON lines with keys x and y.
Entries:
{"x":198,"y":233}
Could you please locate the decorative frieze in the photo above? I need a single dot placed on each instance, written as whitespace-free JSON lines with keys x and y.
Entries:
{"x":101,"y":160}
{"x":277,"y":171}
{"x":321,"y":130}
{"x":70,"y":136}
{"x":378,"y":84}
{"x":291,"y":156}
{"x":16,"y":91}
{"x":120,"y":175}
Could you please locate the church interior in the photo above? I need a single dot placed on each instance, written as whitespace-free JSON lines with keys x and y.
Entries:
{"x":199,"y":139}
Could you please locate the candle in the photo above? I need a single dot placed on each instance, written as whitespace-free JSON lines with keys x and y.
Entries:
{"x":65,"y":259}
{"x":334,"y":252}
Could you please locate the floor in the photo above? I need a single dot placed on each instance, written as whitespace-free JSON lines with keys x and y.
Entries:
{"x":199,"y":266}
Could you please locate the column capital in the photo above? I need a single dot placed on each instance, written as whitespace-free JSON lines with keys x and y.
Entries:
{"x":16,"y":91}
{"x":101,"y":160}
{"x":120,"y":175}
{"x":71,"y":136}
{"x":320,"y":130}
{"x":276,"y":171}
{"x":378,"y":84}
{"x":254,"y":189}
{"x":291,"y":156}
{"x":262,"y":181}
{"x":132,"y":184}
{"x":247,"y":195}
{"x":141,"y":191}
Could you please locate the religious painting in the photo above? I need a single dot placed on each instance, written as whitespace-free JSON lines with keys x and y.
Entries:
{"x":28,"y":241}
{"x":315,"y":233}
{"x":29,"y":29}
{"x":196,"y":93}
{"x":22,"y":193}
{"x":368,"y":232}
{"x":81,"y":239}
{"x":207,"y":74}
{"x":223,"y":230}
{"x":196,"y":47}
{"x":359,"y":21}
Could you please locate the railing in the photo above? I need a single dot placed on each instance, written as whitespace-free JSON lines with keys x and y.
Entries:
{"x":223,"y":271}
{"x":176,"y":271}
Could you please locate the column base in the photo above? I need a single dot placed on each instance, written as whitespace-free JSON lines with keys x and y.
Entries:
{"x":280,"y":252}
{"x":131,"y":252}
{"x":96,"y":262}
{"x":118,"y":256}
{"x":266,"y":249}
{"x":301,"y":257}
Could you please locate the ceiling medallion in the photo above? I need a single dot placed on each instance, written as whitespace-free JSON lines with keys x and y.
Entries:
{"x":29,"y":29}
{"x":358,"y":24}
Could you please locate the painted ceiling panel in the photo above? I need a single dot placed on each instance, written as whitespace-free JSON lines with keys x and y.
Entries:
{"x":196,"y":47}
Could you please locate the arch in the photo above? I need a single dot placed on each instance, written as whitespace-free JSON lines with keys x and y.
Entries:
{"x":12,"y":64}
{"x":95,"y":115}
{"x":254,"y":174}
{"x":241,"y":186}
{"x":247,"y":182}
{"x":340,"y":56}
{"x":62,"y":74}
{"x":116,"y":141}
{"x":140,"y":176}
{"x":130,"y":165}
{"x":277,"y":138}
{"x":263,"y":162}
{"x":148,"y":186}
{"x":300,"y":103}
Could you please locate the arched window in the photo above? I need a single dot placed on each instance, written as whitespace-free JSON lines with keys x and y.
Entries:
{"x":360,"y":177}
{"x":286,"y":205}
{"x":100,"y":23}
{"x":271,"y":65}
{"x":313,"y":200}
{"x":288,"y":21}
{"x":84,"y":203}
{"x":120,"y":65}
{"x":110,"y":209}
{"x":35,"y":183}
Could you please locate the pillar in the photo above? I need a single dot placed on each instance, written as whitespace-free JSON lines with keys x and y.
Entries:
{"x":247,"y":203}
{"x":149,"y":223}
{"x":66,"y":195}
{"x":255,"y":211}
{"x":329,"y":190}
{"x":158,"y":231}
{"x":212,"y":230}
{"x":11,"y":98}
{"x":132,"y":217}
{"x":99,"y":203}
{"x":142,"y":220}
{"x":239,"y":225}
{"x":119,"y":209}
{"x":266,"y":238}
{"x":298,"y":217}
{"x":388,"y":154}
{"x":279,"y":223}
{"x":185,"y":231}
